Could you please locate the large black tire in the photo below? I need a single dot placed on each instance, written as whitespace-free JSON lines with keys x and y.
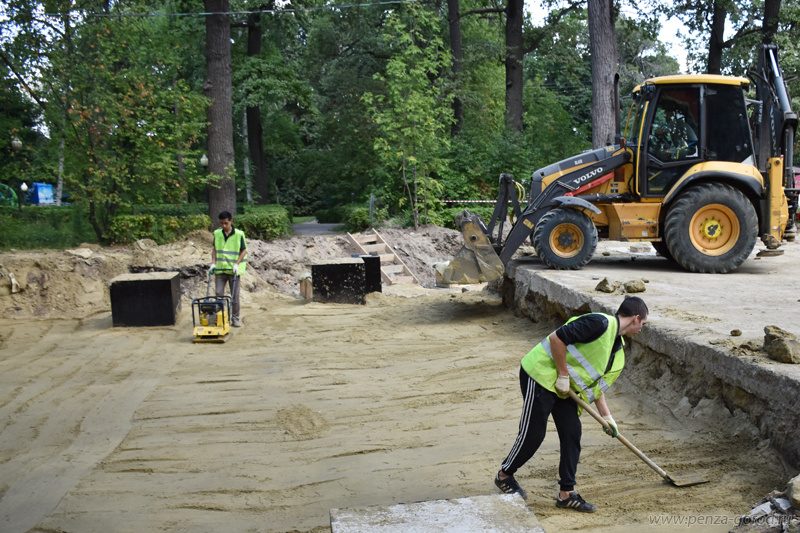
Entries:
{"x":565,"y":239}
{"x":662,"y":249}
{"x":711,"y":228}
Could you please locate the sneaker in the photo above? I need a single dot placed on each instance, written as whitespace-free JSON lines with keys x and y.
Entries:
{"x":509,"y":485}
{"x":575,"y":502}
{"x":235,"y":322}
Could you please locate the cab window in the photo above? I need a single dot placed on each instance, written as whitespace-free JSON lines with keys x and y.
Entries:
{"x":673,"y":140}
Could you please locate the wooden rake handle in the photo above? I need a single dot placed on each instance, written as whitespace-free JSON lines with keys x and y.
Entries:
{"x":619,"y":437}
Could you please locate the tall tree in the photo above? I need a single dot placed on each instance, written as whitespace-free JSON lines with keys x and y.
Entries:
{"x":411,"y":113}
{"x":602,"y":37}
{"x":707,"y":21}
{"x":515,"y":16}
{"x":772,"y":10}
{"x":252,"y":117}
{"x":218,"y":88}
{"x":457,"y":50}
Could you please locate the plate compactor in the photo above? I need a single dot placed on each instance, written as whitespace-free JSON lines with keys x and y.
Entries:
{"x":211,"y":316}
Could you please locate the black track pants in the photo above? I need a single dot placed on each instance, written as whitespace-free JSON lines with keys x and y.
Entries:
{"x":538,"y":404}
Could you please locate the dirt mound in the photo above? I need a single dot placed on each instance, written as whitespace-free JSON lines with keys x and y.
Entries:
{"x":74,"y":283}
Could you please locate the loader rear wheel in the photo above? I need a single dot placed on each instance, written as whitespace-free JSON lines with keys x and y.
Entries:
{"x":565,"y":239}
{"x":711,"y":228}
{"x":662,"y":249}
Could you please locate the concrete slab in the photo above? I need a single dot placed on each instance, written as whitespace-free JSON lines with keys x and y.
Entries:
{"x":497,"y":513}
{"x":690,"y":332}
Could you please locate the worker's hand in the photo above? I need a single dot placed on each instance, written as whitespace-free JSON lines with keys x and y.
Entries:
{"x":614,"y":431}
{"x":212,"y":269}
{"x":562,"y":386}
{"x":236,"y":268}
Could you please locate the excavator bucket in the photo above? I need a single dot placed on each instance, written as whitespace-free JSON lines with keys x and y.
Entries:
{"x":477,"y":261}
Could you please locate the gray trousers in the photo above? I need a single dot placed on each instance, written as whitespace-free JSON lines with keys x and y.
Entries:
{"x":220,"y":280}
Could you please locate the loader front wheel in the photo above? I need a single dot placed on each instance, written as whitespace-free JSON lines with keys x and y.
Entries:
{"x":565,"y":239}
{"x":711,"y":228}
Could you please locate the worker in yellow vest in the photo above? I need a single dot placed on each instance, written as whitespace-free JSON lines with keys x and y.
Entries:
{"x":228,"y":262}
{"x":586,"y":355}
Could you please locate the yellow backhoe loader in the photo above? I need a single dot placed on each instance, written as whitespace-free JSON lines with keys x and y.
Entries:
{"x":702,"y":172}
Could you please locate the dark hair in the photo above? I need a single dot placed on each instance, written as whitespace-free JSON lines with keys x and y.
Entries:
{"x":225,"y":215}
{"x":633,"y":306}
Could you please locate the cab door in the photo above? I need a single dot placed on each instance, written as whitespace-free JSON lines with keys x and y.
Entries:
{"x":672,"y":142}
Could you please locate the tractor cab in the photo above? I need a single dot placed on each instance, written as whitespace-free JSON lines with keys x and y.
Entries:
{"x":683,"y":128}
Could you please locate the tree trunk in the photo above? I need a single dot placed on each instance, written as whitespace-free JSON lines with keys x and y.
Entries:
{"x":222,"y":196}
{"x":248,"y":183}
{"x":457,"y":50}
{"x":60,"y":184}
{"x":514,"y":55}
{"x":772,"y":9}
{"x":716,"y":41}
{"x":255,"y":131}
{"x":603,"y":45}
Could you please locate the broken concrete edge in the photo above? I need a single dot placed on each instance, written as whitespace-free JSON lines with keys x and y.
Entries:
{"x":767,"y":393}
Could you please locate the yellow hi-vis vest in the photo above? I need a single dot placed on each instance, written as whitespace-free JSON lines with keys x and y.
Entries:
{"x":586,"y":363}
{"x":228,"y":251}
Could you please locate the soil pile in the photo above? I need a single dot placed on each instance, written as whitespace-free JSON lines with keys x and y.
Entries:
{"x":74,"y":283}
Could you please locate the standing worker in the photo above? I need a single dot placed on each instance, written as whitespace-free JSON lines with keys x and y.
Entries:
{"x":586,"y":355}
{"x":228,"y":261}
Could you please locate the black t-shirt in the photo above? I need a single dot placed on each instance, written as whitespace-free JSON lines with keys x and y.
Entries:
{"x":586,"y":329}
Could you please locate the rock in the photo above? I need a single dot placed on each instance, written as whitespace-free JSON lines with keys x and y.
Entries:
{"x":607,"y":286}
{"x":636,"y":285}
{"x":606,"y":254}
{"x":736,"y":333}
{"x":774,"y":332}
{"x":793,"y":492}
{"x":15,"y":288}
{"x":83,"y":253}
{"x":784,"y":351}
{"x":782,"y":505}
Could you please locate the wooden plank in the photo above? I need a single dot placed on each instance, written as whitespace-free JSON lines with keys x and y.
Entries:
{"x":371,"y":248}
{"x":366,"y":239}
{"x":398,"y":260}
{"x":393,"y":269}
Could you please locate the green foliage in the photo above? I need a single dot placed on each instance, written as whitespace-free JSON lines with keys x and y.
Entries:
{"x":265,"y":222}
{"x":118,"y":100}
{"x":331,"y":215}
{"x":125,"y":229}
{"x":172,"y":210}
{"x":44,"y":227}
{"x":448,"y":215}
{"x":412,"y":113}
{"x":357,"y":217}
{"x":355,"y":102}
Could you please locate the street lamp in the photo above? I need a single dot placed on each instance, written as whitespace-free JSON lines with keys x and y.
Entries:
{"x":16,"y":144}
{"x":204,"y":161}
{"x":24,"y":189}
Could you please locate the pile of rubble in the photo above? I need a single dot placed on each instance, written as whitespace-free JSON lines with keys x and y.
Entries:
{"x":778,"y":512}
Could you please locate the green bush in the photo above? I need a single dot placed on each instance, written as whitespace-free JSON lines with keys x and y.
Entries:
{"x":252,"y":208}
{"x":169,"y":210}
{"x":356,"y":217}
{"x":264,"y":222}
{"x":44,"y":227}
{"x":448,"y":215}
{"x":333,"y":215}
{"x":125,"y":229}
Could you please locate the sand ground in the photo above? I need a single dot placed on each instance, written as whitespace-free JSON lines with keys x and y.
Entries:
{"x":413,"y":396}
{"x":316,"y":406}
